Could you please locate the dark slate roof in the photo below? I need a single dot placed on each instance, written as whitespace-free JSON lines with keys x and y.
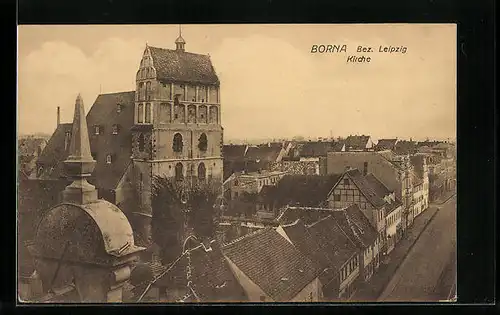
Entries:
{"x":380,"y":189}
{"x":316,"y":148}
{"x":405,"y":147}
{"x":386,"y":144}
{"x":418,"y":164}
{"x":307,"y":215}
{"x":103,"y":113}
{"x":338,"y":145}
{"x":324,"y":241}
{"x":263,"y":153}
{"x":304,"y":190}
{"x":272,"y":263}
{"x":360,"y":225}
{"x":181,"y":66}
{"x":366,"y":189}
{"x":233,"y":151}
{"x":211,"y":277}
{"x":356,"y":142}
{"x":28,"y":146}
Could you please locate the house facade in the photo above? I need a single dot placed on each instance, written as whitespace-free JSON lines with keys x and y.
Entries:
{"x":353,"y":188}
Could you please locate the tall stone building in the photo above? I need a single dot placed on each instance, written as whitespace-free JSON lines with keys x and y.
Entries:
{"x":177,"y":128}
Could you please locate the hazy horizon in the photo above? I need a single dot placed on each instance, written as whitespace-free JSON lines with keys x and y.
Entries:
{"x":271,"y":84}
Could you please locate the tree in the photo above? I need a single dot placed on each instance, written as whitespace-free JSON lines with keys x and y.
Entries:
{"x":180,"y":207}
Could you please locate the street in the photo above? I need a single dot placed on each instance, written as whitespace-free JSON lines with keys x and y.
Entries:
{"x":428,"y":272}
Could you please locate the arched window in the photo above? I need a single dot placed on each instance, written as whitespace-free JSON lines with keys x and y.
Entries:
{"x":141,"y":142}
{"x":140,"y":113}
{"x":203,"y":142}
{"x":148,"y":89}
{"x":179,"y":171}
{"x":202,"y":172}
{"x":141,"y":91}
{"x":177,"y":143}
{"x":148,"y":113}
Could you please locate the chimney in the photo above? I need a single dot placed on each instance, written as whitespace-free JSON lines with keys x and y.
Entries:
{"x":58,"y":116}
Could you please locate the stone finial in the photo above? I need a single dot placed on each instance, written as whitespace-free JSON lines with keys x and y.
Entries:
{"x":79,"y":163}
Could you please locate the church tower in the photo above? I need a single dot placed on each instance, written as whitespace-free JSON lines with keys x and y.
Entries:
{"x":177,"y":130}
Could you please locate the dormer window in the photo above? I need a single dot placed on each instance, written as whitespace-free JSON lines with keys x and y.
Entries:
{"x":108,"y":159}
{"x":96,"y":130}
{"x":115,"y":129}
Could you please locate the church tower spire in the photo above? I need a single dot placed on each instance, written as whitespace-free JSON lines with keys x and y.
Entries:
{"x":79,"y":165}
{"x":180,"y":42}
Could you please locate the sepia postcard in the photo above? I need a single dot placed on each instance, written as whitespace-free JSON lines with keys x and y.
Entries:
{"x":237,"y":163}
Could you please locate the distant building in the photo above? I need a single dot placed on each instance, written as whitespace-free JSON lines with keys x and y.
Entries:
{"x":297,"y":190}
{"x":404,"y":147}
{"x":271,"y":269}
{"x":29,"y":150}
{"x":358,"y":143}
{"x":386,"y":144}
{"x":251,"y":183}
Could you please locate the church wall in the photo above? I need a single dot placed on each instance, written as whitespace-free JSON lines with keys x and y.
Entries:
{"x":190,"y":140}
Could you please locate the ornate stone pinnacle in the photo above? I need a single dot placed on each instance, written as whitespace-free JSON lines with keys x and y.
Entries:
{"x":79,"y":163}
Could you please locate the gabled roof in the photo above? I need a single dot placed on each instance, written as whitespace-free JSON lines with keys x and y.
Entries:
{"x":323,"y":241}
{"x":304,"y":190}
{"x":211,"y":279}
{"x":104,"y":114}
{"x":356,"y":142}
{"x":386,"y":144}
{"x":272,"y":263}
{"x":380,"y":189}
{"x":181,"y":66}
{"x":366,"y":189}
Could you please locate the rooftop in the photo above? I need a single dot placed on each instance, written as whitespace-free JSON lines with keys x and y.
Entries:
{"x":272,"y":263}
{"x":181,"y":66}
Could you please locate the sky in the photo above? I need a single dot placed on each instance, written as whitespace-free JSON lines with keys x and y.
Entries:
{"x":272,"y":86}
